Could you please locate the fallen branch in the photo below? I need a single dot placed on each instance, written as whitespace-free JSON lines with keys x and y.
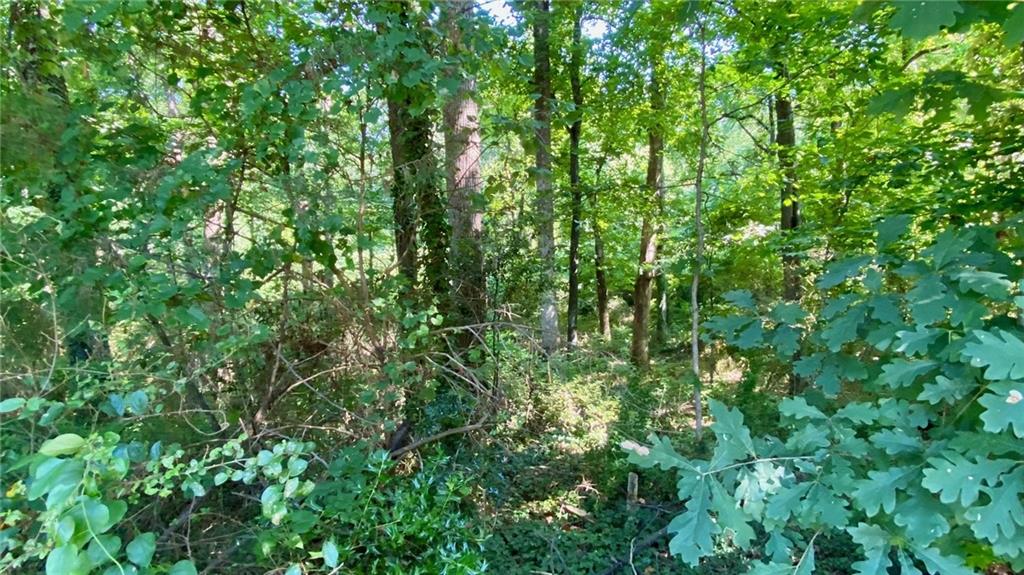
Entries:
{"x":399,"y":453}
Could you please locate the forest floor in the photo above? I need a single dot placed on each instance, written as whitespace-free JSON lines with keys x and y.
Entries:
{"x":552,"y":492}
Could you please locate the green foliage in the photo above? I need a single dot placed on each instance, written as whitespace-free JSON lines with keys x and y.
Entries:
{"x":915,"y":473}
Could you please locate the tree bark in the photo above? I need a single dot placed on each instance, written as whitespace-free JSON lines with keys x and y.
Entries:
{"x":465,"y":186}
{"x":790,"y":205}
{"x":575,"y":130}
{"x":403,"y":136}
{"x":545,"y":209}
{"x":639,"y":351}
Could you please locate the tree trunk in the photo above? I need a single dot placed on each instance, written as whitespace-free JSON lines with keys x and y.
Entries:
{"x":403,"y":193}
{"x":545,"y":209}
{"x":600,"y":277}
{"x":648,"y":238}
{"x":575,"y":130}
{"x":465,"y":187}
{"x":698,"y":258}
{"x":790,"y":206}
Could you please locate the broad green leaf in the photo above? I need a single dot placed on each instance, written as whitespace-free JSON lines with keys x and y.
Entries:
{"x":1001,"y":352}
{"x":741,"y":298}
{"x":946,"y":390}
{"x":788,"y":313}
{"x":949,"y":246}
{"x":938,"y":564}
{"x":730,"y":517}
{"x":806,"y":564}
{"x":922,"y":516}
{"x":798,"y":408}
{"x":787,"y":501}
{"x":734,"y":441}
{"x":878,"y":491}
{"x":1013,"y":27}
{"x":1003,"y":516}
{"x":992,"y":284}
{"x":65,"y":560}
{"x":916,"y":342}
{"x":876,"y":544}
{"x":954,"y":477}
{"x":843,"y":329}
{"x":751,"y":337}
{"x":986,"y":443}
{"x":57,"y":479}
{"x":1004,"y":408}
{"x":138,"y":402}
{"x":11,"y":404}
{"x":330,"y":553}
{"x":896,"y":441}
{"x":919,"y":19}
{"x":66,"y":444}
{"x":102,"y":548}
{"x":786,"y":341}
{"x":183,"y":567}
{"x":660,"y":453}
{"x":759,"y":568}
{"x":891,"y":229}
{"x":903,"y":372}
{"x":841,"y":271}
{"x":140,"y":550}
{"x":693,"y":528}
{"x":858,"y":412}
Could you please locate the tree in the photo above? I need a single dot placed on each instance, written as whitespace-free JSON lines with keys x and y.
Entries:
{"x":575,"y":129}
{"x":785,"y":140}
{"x":465,"y":185}
{"x":545,"y":202}
{"x":646,"y":271}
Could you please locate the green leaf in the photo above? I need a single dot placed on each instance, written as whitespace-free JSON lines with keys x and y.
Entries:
{"x":65,"y":560}
{"x":938,"y":564}
{"x":734,"y":441}
{"x":954,"y":477}
{"x":183,"y":567}
{"x":841,"y":271}
{"x":694,"y":527}
{"x":798,"y":408}
{"x":296,"y":465}
{"x":56,"y":478}
{"x":11,"y":404}
{"x":138,"y":401}
{"x":786,"y":501}
{"x":788,"y":313}
{"x":140,"y":550}
{"x":919,"y":19}
{"x":878,"y":492}
{"x":1004,"y":408}
{"x":896,"y":441}
{"x":751,"y":337}
{"x":1000,"y":351}
{"x":992,"y":284}
{"x":858,"y":412}
{"x":1013,"y":26}
{"x":1003,"y":514}
{"x":843,"y":329}
{"x":730,"y":517}
{"x":295,"y":569}
{"x":948,"y":247}
{"x":903,"y":372}
{"x":916,"y":342}
{"x":891,"y":229}
{"x":330,"y":553}
{"x":65,"y":444}
{"x":946,"y":390}
{"x":102,"y":548}
{"x":659,"y":453}
{"x":922,"y":516}
{"x":876,"y":543}
{"x":741,"y":298}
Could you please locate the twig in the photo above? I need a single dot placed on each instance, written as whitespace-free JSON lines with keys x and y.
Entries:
{"x":399,"y":453}
{"x":651,"y":540}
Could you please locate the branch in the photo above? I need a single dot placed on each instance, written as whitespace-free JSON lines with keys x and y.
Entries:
{"x":399,"y":453}
{"x":627,"y":560}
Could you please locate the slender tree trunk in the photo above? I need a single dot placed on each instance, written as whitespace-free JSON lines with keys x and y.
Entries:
{"x":545,"y":210}
{"x":639,"y":351}
{"x":790,"y":204}
{"x":699,"y":252}
{"x":575,"y":130}
{"x":465,"y":187}
{"x":600,"y":278}
{"x":661,"y":282}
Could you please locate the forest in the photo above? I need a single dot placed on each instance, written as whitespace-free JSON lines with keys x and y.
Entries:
{"x":521,"y":287}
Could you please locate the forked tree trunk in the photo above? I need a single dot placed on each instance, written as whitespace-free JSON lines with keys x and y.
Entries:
{"x":545,"y":208}
{"x":639,"y":350}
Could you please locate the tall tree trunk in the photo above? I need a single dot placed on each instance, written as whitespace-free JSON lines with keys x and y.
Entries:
{"x":600,"y":276}
{"x":575,"y":130}
{"x":790,"y":205}
{"x":698,"y":256}
{"x":465,"y":186}
{"x":403,"y":206}
{"x":648,"y":237}
{"x":545,"y":208}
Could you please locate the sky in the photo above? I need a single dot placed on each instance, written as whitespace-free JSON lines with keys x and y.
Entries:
{"x":503,"y":13}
